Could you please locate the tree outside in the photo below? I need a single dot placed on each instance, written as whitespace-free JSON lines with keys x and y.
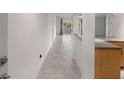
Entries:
{"x":67,"y":27}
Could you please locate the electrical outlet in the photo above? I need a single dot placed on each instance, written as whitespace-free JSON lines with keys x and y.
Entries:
{"x":40,"y":56}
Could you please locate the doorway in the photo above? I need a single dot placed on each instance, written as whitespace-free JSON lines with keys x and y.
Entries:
{"x":67,"y":27}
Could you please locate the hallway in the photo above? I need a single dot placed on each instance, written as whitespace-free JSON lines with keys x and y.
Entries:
{"x":58,"y":63}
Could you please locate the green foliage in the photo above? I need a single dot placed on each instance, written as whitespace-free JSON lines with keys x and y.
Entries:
{"x":67,"y":27}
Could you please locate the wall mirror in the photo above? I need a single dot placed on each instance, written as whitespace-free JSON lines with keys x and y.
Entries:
{"x":80,"y":24}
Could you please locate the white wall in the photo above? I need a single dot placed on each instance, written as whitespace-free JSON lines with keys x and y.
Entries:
{"x":3,"y":38}
{"x":83,"y":51}
{"x":117,"y":26}
{"x":58,"y":24}
{"x":54,"y":27}
{"x":75,"y":24}
{"x":77,"y":43}
{"x":100,"y":26}
{"x":88,"y":46}
{"x":29,"y":35}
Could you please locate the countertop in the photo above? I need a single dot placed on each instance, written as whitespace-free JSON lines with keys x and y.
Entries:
{"x":110,"y":39}
{"x":114,"y":39}
{"x":101,"y":43}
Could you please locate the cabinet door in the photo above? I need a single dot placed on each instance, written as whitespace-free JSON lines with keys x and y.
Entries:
{"x":107,"y":63}
{"x":121,"y":44}
{"x":122,"y":56}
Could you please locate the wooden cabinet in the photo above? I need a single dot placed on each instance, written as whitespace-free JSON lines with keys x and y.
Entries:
{"x":107,"y":63}
{"x":121,"y":44}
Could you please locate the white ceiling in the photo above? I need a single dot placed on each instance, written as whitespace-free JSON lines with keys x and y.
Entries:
{"x":101,"y":14}
{"x":65,"y":15}
{"x":70,"y":15}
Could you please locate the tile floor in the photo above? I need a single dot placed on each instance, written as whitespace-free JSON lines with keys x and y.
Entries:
{"x":58,"y":63}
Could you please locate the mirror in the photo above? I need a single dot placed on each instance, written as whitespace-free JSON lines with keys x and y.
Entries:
{"x":80,"y":24}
